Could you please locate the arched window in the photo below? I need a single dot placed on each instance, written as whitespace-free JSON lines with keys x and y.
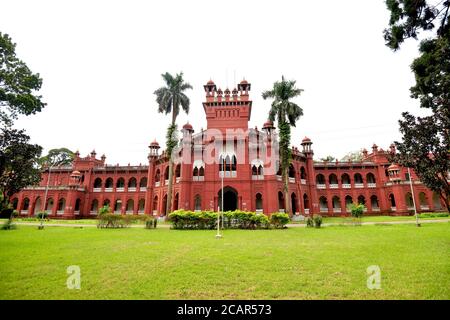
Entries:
{"x":25,"y":204}
{"x":120,"y":183}
{"x":392,"y":200}
{"x":195,"y":173}
{"x":305,"y":201}
{"x":109,"y":183}
{"x":358,"y":178}
{"x":130,"y":206}
{"x":97,"y":183}
{"x":143,"y":183}
{"x":348,"y":202}
{"x":258,"y":202}
{"x":233,"y":163}
{"x":423,"y":201}
{"x":320,"y":179}
{"x":141,"y":206}
{"x":61,"y":205}
{"x":178,"y":171}
{"x":345,"y":179}
{"x":336,"y":202}
{"x":157,"y":176}
{"x":166,"y":173}
{"x":49,"y":205}
{"x":333,"y":179}
{"x":409,"y":200}
{"x":37,"y":205}
{"x":175,"y":202}
{"x":302,"y":173}
{"x":323,"y":204}
{"x":294,"y":203}
{"x":201,"y":172}
{"x":118,"y":206}
{"x":94,"y":206}
{"x":198,"y":203}
{"x":77,"y":205}
{"x":437,"y":201}
{"x":254,"y":171}
{"x":291,"y":171}
{"x":132,"y":183}
{"x":370,"y":177}
{"x":281,"y":201}
{"x":361,"y":200}
{"x":374,"y":202}
{"x":155,"y":204}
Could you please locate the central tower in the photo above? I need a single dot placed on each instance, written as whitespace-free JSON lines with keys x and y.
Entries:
{"x":227,"y":109}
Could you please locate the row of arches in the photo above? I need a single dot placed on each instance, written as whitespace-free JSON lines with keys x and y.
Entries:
{"x":117,"y":207}
{"x":50,"y":206}
{"x":345,"y":178}
{"x":120,"y":183}
{"x":336,"y":203}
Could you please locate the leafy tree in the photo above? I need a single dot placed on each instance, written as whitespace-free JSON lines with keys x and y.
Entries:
{"x":426,"y":142}
{"x":169,"y":99}
{"x":17,"y":84}
{"x":353,"y":156}
{"x":408,"y":17}
{"x":357,"y":210}
{"x":57,"y":157}
{"x":286,"y":113}
{"x":18,"y":163}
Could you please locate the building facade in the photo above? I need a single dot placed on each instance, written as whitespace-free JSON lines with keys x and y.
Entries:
{"x":232,"y":159}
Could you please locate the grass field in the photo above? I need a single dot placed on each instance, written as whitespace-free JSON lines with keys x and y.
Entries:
{"x":297,"y":263}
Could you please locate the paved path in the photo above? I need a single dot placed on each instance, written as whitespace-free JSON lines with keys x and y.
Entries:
{"x":292,"y":225}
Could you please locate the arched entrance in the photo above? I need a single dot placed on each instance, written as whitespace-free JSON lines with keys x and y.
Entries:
{"x":230,"y":199}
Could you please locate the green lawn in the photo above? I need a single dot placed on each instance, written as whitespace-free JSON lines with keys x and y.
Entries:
{"x":297,"y":263}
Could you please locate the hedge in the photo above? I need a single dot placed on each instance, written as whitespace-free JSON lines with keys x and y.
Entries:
{"x":198,"y":220}
{"x":111,"y":220}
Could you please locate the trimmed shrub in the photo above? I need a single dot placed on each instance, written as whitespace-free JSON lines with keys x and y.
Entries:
{"x":279,"y":220}
{"x":185,"y":219}
{"x":42,"y":215}
{"x":317,"y":220}
{"x":8,"y":225}
{"x":309,"y":222}
{"x":434,"y":215}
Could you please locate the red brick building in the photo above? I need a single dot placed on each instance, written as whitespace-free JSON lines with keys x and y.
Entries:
{"x":246,"y":159}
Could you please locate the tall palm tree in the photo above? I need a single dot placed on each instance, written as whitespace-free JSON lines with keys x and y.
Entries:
{"x":286,"y":113}
{"x":169,"y":99}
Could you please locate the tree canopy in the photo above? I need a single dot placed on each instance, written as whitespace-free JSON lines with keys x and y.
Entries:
{"x":18,"y":84}
{"x":18,"y":163}
{"x":409,"y":17}
{"x":425,"y":146}
{"x":57,"y":157}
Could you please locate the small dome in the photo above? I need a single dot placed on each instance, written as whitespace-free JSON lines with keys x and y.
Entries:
{"x":210,"y":82}
{"x":268,"y":124}
{"x":75,"y":173}
{"x":154,"y":144}
{"x":306,"y":139}
{"x":219,"y":91}
{"x":393,"y":167}
{"x":235,"y":91}
{"x":227,"y":91}
{"x":244,"y":81}
{"x":188,"y":126}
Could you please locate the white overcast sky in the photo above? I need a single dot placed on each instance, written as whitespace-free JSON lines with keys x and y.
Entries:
{"x":101,"y":61}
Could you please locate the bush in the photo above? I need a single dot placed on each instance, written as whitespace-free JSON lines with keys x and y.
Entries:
{"x":317,"y":218}
{"x":357,"y":209}
{"x":104,"y":210}
{"x":185,"y":219}
{"x":42,"y":215}
{"x":279,"y":220}
{"x":8,"y":225}
{"x":309,"y":222}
